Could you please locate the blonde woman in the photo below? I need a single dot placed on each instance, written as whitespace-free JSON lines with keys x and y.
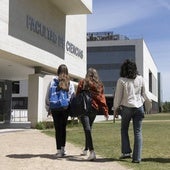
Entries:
{"x":92,"y":83}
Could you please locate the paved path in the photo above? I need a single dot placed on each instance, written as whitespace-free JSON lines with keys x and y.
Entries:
{"x":32,"y":150}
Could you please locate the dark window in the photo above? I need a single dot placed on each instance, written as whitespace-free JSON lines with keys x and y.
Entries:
{"x":150,"y":81}
{"x":20,"y":103}
{"x":111,"y":48}
{"x":15,"y":87}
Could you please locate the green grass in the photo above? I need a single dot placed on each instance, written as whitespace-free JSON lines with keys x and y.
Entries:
{"x":106,"y":138}
{"x":160,"y":116}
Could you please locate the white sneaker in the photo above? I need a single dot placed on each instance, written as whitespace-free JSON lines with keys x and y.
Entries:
{"x":84,"y":153}
{"x":92,"y":156}
{"x":125,"y":156}
{"x":63,"y":151}
{"x":59,"y":154}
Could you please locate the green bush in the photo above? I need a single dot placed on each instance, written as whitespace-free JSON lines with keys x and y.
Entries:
{"x":49,"y":125}
{"x":166,"y":107}
{"x":44,"y":125}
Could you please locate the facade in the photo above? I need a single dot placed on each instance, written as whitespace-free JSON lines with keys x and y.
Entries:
{"x":107,"y":51}
{"x":36,"y":37}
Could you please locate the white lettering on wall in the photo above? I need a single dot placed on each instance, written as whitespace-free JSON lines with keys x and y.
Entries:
{"x":46,"y":32}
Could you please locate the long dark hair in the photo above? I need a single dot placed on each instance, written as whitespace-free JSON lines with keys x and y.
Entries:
{"x":128,"y":69}
{"x":63,"y":77}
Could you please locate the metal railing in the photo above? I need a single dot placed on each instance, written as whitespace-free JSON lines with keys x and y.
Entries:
{"x":19,"y":115}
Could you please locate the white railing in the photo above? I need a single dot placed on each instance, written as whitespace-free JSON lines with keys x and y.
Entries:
{"x":19,"y":115}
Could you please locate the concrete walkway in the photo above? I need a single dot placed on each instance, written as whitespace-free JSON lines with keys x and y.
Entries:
{"x":32,"y":150}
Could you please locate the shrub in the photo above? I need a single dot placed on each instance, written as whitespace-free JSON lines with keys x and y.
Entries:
{"x":44,"y":125}
{"x":166,"y":107}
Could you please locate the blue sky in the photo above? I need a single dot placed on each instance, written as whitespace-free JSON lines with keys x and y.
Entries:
{"x":147,"y":19}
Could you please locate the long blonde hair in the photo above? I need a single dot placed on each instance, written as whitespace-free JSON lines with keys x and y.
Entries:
{"x":91,"y":78}
{"x":63,"y":77}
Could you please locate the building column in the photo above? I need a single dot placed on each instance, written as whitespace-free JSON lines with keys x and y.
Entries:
{"x":35,"y":99}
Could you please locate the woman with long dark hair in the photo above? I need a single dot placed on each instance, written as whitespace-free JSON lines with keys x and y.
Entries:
{"x":130,"y":95}
{"x":92,"y":84}
{"x":60,"y":116}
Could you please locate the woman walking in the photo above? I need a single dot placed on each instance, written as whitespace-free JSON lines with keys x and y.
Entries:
{"x":60,"y":116}
{"x":130,"y":95}
{"x":92,"y":84}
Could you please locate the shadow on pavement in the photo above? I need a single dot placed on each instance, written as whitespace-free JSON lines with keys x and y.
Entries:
{"x":160,"y":160}
{"x":52,"y":156}
{"x":26,"y":156}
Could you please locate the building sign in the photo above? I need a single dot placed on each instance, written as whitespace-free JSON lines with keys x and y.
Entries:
{"x":74,"y":50}
{"x":44,"y":31}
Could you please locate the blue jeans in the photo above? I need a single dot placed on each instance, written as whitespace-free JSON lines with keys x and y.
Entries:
{"x":87,"y":122}
{"x":137,"y":115}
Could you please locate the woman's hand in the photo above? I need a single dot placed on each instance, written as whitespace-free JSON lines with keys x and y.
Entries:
{"x":107,"y":117}
{"x":115,"y":114}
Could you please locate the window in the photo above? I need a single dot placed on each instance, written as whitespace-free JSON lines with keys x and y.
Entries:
{"x":15,"y":87}
{"x":20,"y":103}
{"x":150,"y":81}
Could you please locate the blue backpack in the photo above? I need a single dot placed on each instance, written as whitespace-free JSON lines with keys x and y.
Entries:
{"x":58,"y":98}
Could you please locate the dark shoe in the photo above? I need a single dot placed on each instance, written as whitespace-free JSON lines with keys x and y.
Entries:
{"x":125,"y":156}
{"x":135,"y":161}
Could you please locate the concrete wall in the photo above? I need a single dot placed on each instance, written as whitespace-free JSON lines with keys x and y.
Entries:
{"x":30,"y":48}
{"x":150,"y":66}
{"x":76,"y":33}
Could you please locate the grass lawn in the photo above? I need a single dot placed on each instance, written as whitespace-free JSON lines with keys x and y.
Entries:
{"x":106,"y":138}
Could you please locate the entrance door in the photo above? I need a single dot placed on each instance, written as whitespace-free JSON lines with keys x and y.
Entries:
{"x":5,"y":100}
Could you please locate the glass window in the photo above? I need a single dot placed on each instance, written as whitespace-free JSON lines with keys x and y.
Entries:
{"x":15,"y":87}
{"x":150,"y":81}
{"x":20,"y":103}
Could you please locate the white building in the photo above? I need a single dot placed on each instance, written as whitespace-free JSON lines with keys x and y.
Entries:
{"x":36,"y":36}
{"x":107,"y":51}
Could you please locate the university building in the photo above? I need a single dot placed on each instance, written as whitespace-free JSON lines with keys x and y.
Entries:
{"x":106,"y":51}
{"x":36,"y":37}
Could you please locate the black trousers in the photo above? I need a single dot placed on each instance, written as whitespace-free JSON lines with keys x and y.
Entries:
{"x":60,"y":122}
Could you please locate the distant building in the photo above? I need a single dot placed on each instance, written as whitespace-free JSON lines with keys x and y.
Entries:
{"x":106,"y":52}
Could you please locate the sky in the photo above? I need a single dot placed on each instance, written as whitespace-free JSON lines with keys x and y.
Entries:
{"x":136,"y":19}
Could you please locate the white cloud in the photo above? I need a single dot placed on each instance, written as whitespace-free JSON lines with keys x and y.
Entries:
{"x":115,"y":14}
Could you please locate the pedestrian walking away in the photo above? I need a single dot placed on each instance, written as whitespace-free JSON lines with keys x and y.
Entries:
{"x":129,"y":99}
{"x":58,"y":97}
{"x":94,"y":86}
